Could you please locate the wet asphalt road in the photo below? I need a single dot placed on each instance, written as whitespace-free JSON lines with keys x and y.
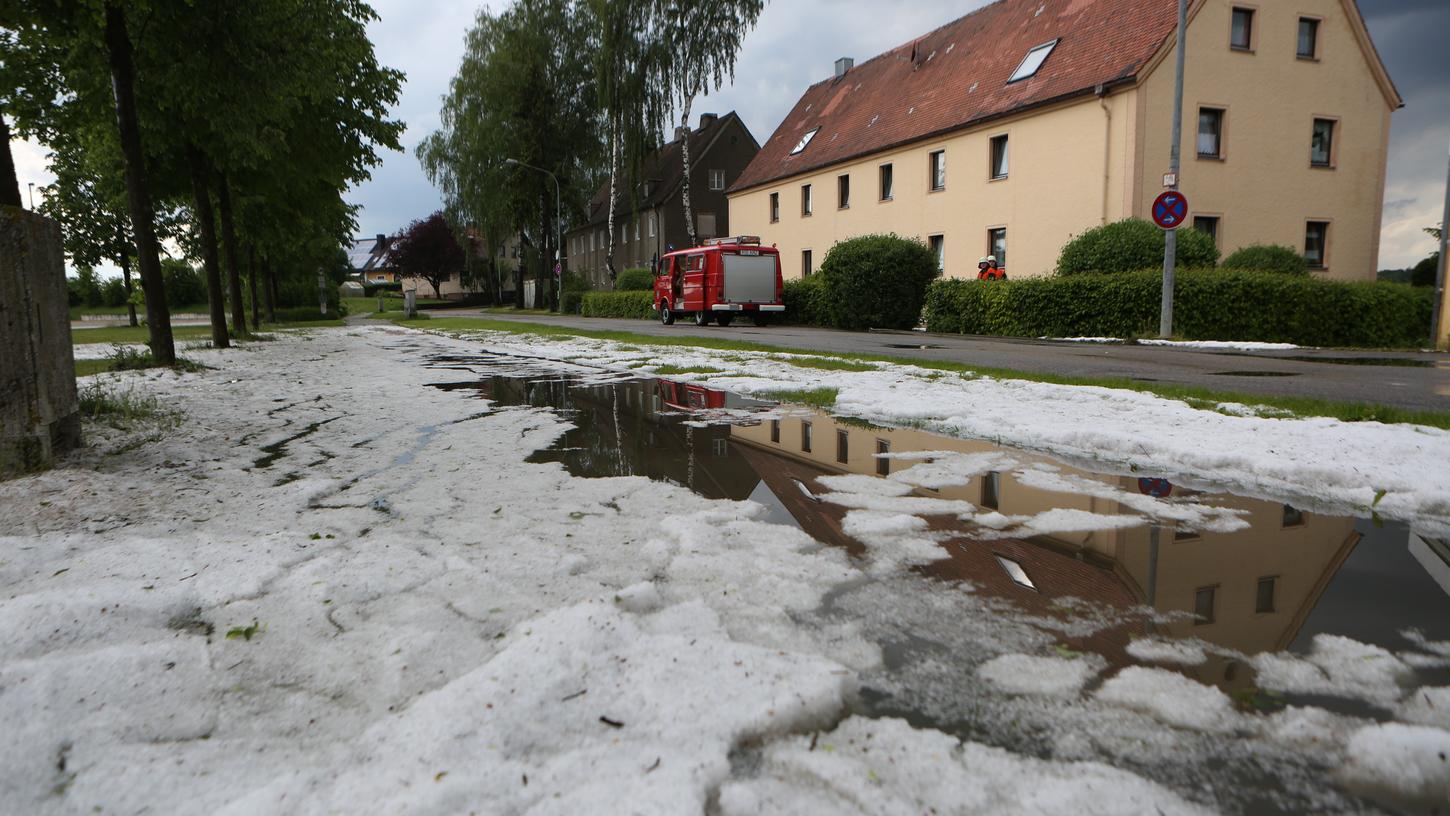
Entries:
{"x":1410,"y":380}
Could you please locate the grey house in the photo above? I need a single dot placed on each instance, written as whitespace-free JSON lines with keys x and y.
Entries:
{"x":651,"y":222}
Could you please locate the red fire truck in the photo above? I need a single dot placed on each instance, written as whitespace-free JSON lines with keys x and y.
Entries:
{"x":720,"y":279}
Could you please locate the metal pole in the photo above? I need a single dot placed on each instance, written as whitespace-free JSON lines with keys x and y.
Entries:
{"x":1170,"y":240}
{"x":1439,"y":339}
{"x":558,"y":246}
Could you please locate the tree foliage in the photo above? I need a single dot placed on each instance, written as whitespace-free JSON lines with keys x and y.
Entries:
{"x":876,"y":281}
{"x":427,"y":249}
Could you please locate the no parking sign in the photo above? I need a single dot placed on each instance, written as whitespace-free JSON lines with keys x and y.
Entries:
{"x":1170,"y":210}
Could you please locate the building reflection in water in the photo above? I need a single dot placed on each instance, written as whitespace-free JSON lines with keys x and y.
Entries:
{"x":1247,"y":591}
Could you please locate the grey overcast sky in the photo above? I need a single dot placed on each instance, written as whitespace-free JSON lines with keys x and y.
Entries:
{"x":796,"y":43}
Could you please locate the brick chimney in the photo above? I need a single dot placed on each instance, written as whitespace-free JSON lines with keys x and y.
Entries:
{"x":708,"y":119}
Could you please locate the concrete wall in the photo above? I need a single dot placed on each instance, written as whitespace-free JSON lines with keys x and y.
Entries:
{"x":39,"y":412}
{"x":1068,"y":169}
{"x":1264,"y":189}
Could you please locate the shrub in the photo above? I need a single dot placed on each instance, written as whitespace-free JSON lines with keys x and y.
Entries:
{"x":618,"y":304}
{"x":185,"y":286}
{"x":571,"y":302}
{"x":803,"y":301}
{"x":1268,"y":258}
{"x":1209,"y":304}
{"x":1425,"y":271}
{"x":637,"y":279}
{"x":113,"y":292}
{"x":372,"y":289}
{"x":875,"y":281}
{"x":1132,"y":244}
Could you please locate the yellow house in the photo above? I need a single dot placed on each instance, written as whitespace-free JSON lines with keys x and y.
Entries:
{"x":1026,"y":122}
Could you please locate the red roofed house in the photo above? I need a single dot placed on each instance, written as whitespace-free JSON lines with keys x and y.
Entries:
{"x":1028,"y":121}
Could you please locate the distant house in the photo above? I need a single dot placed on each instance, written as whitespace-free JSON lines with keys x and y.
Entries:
{"x":650,"y":213}
{"x":1029,"y":121}
{"x":505,"y":262}
{"x":368,"y":259}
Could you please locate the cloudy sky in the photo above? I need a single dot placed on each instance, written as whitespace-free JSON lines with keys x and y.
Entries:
{"x":778,"y":63}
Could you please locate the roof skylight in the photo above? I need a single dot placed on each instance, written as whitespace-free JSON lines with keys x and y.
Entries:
{"x":1032,"y":62}
{"x":805,"y":140}
{"x":1015,"y":571}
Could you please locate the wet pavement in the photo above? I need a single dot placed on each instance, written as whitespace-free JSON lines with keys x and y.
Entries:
{"x":1228,"y":576}
{"x":1408,"y":379}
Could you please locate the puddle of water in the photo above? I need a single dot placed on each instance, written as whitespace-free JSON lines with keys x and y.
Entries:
{"x":1269,"y":587}
{"x":909,"y":346}
{"x":1405,"y":362}
{"x":1254,"y":374}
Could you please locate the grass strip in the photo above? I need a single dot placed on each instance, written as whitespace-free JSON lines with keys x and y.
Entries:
{"x":1196,"y":396}
{"x":139,"y":334}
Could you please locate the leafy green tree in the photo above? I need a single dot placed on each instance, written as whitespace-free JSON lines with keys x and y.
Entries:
{"x":876,"y":281}
{"x":702,"y":38}
{"x":427,"y":249}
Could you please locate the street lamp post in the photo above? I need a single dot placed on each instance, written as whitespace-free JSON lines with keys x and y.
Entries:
{"x":1170,"y":240}
{"x":558,"y":231}
{"x":1440,"y":337}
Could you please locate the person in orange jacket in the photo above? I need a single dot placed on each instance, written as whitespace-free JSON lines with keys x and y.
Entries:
{"x":987,"y":269}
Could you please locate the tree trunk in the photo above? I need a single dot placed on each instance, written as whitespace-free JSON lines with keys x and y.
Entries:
{"x":269,"y":289}
{"x":685,"y":155}
{"x":124,"y":261}
{"x":9,"y":184}
{"x":206,"y":229}
{"x":234,"y":270}
{"x":613,"y":188}
{"x":138,"y":194}
{"x":252,"y":284}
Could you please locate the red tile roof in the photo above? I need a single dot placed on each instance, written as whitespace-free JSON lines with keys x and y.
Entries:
{"x":956,"y":76}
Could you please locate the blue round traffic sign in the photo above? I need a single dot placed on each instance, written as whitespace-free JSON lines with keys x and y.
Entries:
{"x":1157,"y":488}
{"x":1170,"y":210}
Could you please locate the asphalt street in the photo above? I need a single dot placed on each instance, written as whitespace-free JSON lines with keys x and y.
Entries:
{"x":1410,"y":380}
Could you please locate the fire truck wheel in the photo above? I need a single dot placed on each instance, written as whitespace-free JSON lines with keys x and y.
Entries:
{"x":724,"y":318}
{"x":761,"y":319}
{"x":702,"y":318}
{"x":667,"y":317}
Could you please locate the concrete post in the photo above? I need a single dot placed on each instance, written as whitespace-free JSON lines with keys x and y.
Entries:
{"x":39,"y":410}
{"x":322,"y":293}
{"x":1441,"y":327}
{"x":410,"y":304}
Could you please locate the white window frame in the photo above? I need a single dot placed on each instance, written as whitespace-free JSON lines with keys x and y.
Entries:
{"x":717,"y":180}
{"x":805,"y":141}
{"x":1028,"y":68}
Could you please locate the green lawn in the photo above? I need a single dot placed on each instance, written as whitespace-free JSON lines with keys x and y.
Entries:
{"x":369,"y":305}
{"x":138,"y":334}
{"x":1195,"y":396}
{"x":77,"y":311}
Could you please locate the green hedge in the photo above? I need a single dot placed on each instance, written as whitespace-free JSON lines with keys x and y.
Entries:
{"x":1209,"y":304}
{"x":1131,"y":244}
{"x":636,"y":279}
{"x":372,"y":289}
{"x":618,"y":304}
{"x":305,"y":314}
{"x":876,"y":281}
{"x":572,"y":301}
{"x":1268,"y":258}
{"x":803,"y":301}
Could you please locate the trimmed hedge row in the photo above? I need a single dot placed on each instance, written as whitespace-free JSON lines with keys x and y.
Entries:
{"x":803,"y":301}
{"x":635,"y":279}
{"x":1209,"y":304}
{"x":618,"y":304}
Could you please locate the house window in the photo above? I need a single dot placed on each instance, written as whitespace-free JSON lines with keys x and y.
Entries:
{"x":997,"y":245}
{"x":1241,"y":34}
{"x":651,"y":225}
{"x":1210,"y":133}
{"x":774,"y":207}
{"x":991,"y":490}
{"x":1032,"y":62}
{"x":1015,"y":572}
{"x":720,"y":448}
{"x":883,"y":465}
{"x":804,"y":142}
{"x":1264,"y":596}
{"x":843,"y":192}
{"x":1203,"y":603}
{"x":938,"y":170}
{"x":806,"y":267}
{"x":705,"y":225}
{"x":775,"y":431}
{"x":1293,"y":517}
{"x":1207,"y":224}
{"x":1308,"y":38}
{"x":999,"y":157}
{"x":717,"y":179}
{"x":886,"y":186}
{"x":1321,"y":147}
{"x":636,"y":229}
{"x":939,"y":249}
{"x":806,"y":437}
{"x":806,"y":204}
{"x":591,"y":242}
{"x":843,"y":446}
{"x":1316,"y":241}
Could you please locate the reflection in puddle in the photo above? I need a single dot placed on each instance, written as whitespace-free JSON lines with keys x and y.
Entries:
{"x":1132,"y":569}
